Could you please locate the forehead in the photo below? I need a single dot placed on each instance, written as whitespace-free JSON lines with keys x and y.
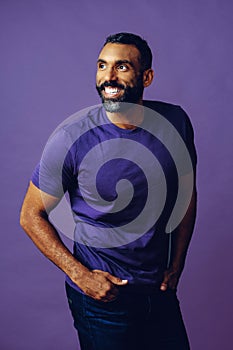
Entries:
{"x":112,"y":52}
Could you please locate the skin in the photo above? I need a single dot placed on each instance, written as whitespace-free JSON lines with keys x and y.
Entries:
{"x":34,"y":220}
{"x":180,"y":240}
{"x":121,"y":64}
{"x":37,"y":204}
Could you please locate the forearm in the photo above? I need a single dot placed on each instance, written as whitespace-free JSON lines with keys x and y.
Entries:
{"x":34,"y":220}
{"x":180,"y":242}
{"x":97,"y":284}
{"x":46,"y":238}
{"x":182,"y":235}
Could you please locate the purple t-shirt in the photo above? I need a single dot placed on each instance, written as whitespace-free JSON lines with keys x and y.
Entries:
{"x":123,"y":186}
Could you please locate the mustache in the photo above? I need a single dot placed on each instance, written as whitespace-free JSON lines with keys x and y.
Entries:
{"x":113,"y":84}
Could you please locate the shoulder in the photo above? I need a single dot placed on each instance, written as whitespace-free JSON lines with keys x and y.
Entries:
{"x":76,"y":125}
{"x":165,"y":108}
{"x":175,"y":114}
{"x":159,"y":105}
{"x":82,"y":120}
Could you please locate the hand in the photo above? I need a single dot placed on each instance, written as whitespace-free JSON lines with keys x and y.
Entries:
{"x":170,"y":280}
{"x":100,"y":285}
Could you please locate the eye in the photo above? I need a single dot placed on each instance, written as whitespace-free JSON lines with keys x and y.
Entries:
{"x":101,"y":66}
{"x":122,"y":67}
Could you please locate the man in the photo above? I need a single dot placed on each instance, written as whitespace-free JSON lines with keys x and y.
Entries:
{"x":121,"y":283}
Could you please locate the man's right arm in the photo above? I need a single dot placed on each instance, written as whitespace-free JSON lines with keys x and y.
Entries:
{"x":34,"y":220}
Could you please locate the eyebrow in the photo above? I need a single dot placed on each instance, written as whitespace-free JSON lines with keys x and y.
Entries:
{"x":100,"y":60}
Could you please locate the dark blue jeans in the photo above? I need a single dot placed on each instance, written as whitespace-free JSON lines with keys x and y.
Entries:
{"x":131,"y":322}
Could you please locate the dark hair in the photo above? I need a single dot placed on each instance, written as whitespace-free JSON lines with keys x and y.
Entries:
{"x":138,"y":42}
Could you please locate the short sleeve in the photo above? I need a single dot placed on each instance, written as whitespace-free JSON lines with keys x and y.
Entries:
{"x":54,"y":172}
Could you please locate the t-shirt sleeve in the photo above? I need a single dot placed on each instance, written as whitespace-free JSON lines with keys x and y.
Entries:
{"x":54,"y":173}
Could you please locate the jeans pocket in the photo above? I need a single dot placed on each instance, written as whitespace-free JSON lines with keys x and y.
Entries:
{"x":97,"y":308}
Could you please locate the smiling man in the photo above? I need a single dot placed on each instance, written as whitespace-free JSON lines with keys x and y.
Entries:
{"x":120,"y":76}
{"x":122,"y":277}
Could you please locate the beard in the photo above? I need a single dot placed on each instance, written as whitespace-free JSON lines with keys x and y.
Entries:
{"x":122,"y":103}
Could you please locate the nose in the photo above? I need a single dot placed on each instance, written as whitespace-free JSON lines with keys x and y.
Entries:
{"x":110,"y":74}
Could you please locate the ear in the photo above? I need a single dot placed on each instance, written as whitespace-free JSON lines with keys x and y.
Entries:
{"x":148,"y":76}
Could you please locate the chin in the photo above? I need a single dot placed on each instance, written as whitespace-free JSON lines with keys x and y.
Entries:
{"x":112,"y":106}
{"x":117,"y":106}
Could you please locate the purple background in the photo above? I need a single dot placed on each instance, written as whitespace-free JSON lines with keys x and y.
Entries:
{"x":48,"y":54}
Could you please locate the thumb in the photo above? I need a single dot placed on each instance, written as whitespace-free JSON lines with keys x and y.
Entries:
{"x":116,"y":280}
{"x":164,"y":284}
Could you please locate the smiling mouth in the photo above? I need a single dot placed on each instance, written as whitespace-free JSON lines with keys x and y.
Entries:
{"x":111,"y":92}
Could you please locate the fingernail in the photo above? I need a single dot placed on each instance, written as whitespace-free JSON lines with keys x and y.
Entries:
{"x":163,"y":287}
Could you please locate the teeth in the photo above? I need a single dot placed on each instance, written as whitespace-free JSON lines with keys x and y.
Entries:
{"x":110,"y":90}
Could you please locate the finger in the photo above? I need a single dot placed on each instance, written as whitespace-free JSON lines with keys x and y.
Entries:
{"x":116,"y":280}
{"x":163,"y":286}
{"x":110,"y":297}
{"x":98,"y":271}
{"x":173,"y":284}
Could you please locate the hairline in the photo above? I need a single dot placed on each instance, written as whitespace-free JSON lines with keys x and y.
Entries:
{"x":139,"y":58}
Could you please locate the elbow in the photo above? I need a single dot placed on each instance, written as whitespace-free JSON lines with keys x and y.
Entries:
{"x":27,"y":217}
{"x":23,"y":219}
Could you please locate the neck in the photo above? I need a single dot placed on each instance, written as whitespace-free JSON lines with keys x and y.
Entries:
{"x":129,"y":119}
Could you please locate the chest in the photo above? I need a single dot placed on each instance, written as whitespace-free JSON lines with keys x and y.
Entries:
{"x":125,"y":166}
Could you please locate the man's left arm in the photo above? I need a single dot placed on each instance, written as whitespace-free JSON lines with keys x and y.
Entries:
{"x":180,"y":241}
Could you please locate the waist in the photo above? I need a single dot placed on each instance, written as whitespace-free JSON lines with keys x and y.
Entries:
{"x":129,"y":289}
